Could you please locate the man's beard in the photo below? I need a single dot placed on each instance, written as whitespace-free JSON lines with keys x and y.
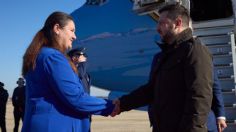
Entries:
{"x":168,"y":36}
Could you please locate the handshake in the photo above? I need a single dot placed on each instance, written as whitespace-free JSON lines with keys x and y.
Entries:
{"x":116,"y":110}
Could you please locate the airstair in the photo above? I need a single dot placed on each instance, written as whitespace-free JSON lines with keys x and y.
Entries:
{"x":219,"y":37}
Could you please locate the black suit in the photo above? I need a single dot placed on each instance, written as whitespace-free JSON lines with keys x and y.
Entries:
{"x":84,"y":76}
{"x":18,"y":101}
{"x":3,"y":102}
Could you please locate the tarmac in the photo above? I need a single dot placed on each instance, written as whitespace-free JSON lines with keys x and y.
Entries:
{"x":132,"y":121}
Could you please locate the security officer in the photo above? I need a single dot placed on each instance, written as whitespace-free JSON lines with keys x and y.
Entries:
{"x":18,"y":101}
{"x":79,"y":58}
{"x":3,"y":102}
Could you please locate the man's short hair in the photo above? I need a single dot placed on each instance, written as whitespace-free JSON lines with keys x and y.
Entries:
{"x":175,"y":10}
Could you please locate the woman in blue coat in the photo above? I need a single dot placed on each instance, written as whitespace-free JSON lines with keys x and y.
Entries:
{"x":55,"y":98}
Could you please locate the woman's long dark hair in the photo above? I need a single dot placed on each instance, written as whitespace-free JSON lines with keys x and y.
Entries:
{"x":45,"y":37}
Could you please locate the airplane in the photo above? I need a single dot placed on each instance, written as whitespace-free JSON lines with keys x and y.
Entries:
{"x":120,"y":37}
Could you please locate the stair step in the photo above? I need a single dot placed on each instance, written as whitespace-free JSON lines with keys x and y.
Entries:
{"x":215,"y":40}
{"x":212,"y":30}
{"x":230,"y":112}
{"x":224,"y":60}
{"x":229,"y":98}
{"x":227,"y":84}
{"x":231,"y":127}
{"x":230,"y":105}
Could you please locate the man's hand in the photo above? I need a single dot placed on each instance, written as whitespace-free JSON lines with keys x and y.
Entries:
{"x":116,"y":110}
{"x":221,"y":124}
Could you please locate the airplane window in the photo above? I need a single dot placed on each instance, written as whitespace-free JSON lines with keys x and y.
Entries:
{"x":210,"y":9}
{"x":95,"y":2}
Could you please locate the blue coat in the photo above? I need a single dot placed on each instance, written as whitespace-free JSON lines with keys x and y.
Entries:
{"x":55,"y":98}
{"x":217,"y":108}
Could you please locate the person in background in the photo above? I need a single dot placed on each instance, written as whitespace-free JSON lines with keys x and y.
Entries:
{"x":79,"y":58}
{"x":180,"y":87}
{"x":3,"y":102}
{"x":18,"y":101}
{"x":55,"y":97}
{"x":216,"y":119}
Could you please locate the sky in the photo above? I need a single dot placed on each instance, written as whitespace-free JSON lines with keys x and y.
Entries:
{"x":19,"y":22}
